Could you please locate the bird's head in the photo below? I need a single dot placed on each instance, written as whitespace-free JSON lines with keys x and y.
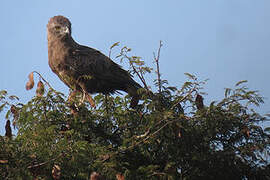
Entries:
{"x":59,"y":27}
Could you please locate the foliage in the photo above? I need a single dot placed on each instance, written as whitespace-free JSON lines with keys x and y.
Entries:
{"x":165,"y":137}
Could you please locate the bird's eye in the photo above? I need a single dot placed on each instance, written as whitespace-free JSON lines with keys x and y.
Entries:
{"x":57,"y":28}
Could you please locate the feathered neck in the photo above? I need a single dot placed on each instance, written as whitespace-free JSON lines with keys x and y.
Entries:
{"x":65,"y":40}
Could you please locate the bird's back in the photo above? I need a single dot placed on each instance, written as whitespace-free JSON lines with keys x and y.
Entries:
{"x":104,"y":75}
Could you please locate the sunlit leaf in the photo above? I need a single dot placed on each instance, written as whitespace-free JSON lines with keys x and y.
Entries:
{"x":227,"y":92}
{"x":115,"y":44}
{"x":3,"y":92}
{"x":2,"y":106}
{"x":190,"y":75}
{"x":240,"y":82}
{"x":13,"y":97}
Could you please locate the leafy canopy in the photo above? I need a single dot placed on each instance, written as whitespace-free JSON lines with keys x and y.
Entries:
{"x":170,"y":135}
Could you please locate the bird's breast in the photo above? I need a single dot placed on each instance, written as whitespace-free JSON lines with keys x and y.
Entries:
{"x":57,"y":54}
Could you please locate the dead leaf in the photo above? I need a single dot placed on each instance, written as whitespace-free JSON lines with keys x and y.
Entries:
{"x":40,"y":89}
{"x":33,"y":156}
{"x":246,"y":131}
{"x":96,"y":176}
{"x":120,"y":176}
{"x":3,"y":161}
{"x":199,"y":102}
{"x":8,"y":129}
{"x":30,"y":83}
{"x":13,"y":109}
{"x":105,"y":157}
{"x":74,"y":110}
{"x":56,"y":172}
{"x":179,"y":134}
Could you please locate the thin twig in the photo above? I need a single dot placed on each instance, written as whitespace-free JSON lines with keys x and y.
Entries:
{"x":184,"y":97}
{"x":151,"y":135}
{"x":138,"y":74}
{"x":110,"y":51}
{"x":40,"y":76}
{"x":144,"y":82}
{"x":141,"y":141}
{"x":43,"y":163}
{"x":158,"y":174}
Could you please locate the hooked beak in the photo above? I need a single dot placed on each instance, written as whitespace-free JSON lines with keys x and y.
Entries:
{"x":66,"y":30}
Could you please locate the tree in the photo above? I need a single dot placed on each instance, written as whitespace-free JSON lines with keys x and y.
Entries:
{"x":166,"y":137}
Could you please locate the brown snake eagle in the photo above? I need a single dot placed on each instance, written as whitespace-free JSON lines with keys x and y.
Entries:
{"x":83,"y":68}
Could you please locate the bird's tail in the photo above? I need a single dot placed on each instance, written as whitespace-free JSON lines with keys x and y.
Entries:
{"x":134,"y":101}
{"x":132,"y":91}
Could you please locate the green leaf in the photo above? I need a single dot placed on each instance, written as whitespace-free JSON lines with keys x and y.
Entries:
{"x":227,"y":92}
{"x":212,"y":104}
{"x":115,"y":44}
{"x":187,"y":84}
{"x":13,"y":97}
{"x":172,"y":88}
{"x":7,"y":114}
{"x":3,"y":92}
{"x":2,"y":107}
{"x":241,"y":82}
{"x":190,"y":76}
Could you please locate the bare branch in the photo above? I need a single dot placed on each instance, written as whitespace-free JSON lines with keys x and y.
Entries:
{"x":157,"y":64}
{"x":138,"y":74}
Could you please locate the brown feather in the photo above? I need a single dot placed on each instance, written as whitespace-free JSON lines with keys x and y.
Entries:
{"x":83,"y":68}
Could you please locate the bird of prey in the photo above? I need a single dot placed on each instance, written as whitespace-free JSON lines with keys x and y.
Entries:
{"x":83,"y":68}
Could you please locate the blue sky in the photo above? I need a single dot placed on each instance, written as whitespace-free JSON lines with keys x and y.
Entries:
{"x":223,"y":40}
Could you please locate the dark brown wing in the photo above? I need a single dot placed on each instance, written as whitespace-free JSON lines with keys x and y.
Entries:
{"x":98,"y":73}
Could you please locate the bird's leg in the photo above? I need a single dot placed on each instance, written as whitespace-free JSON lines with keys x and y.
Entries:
{"x":90,"y":100}
{"x":73,"y":106}
{"x":71,"y":96}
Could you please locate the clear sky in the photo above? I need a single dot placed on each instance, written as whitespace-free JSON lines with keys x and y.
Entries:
{"x":223,"y":40}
